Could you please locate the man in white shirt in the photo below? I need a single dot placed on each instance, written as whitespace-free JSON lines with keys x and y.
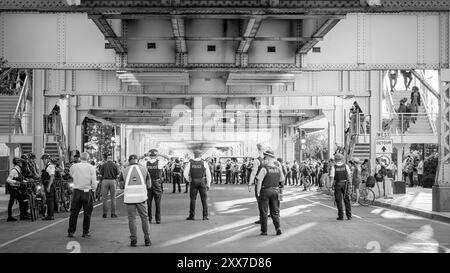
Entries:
{"x":196,"y":172}
{"x":85,"y":183}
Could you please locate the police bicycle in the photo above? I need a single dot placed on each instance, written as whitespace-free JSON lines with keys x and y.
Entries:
{"x":34,"y":195}
{"x":63,"y":193}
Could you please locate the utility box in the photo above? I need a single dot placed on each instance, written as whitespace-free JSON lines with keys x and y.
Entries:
{"x":399,"y":187}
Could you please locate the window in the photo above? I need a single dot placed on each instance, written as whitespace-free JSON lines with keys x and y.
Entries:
{"x":151,"y":45}
{"x":316,"y":49}
{"x":211,"y":48}
{"x":271,"y":49}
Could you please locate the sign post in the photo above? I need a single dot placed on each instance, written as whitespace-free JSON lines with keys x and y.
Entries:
{"x":383,"y":149}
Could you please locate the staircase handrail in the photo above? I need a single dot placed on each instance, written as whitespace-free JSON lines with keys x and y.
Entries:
{"x":424,"y":94}
{"x":22,"y":99}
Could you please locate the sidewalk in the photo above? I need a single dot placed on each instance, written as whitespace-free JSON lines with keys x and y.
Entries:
{"x":416,"y":201}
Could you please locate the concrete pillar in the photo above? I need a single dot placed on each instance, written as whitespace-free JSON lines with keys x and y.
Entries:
{"x":38,"y":106}
{"x":71,"y":124}
{"x":375,"y":111}
{"x":441,"y":188}
{"x":330,"y":115}
{"x":399,"y":162}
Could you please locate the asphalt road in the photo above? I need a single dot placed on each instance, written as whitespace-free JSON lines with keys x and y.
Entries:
{"x":308,"y":222}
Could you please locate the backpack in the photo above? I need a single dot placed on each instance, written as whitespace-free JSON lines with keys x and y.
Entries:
{"x":370,"y":183}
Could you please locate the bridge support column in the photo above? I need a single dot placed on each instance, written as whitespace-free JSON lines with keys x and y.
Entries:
{"x":441,"y":188}
{"x":375,"y":111}
{"x":399,"y":162}
{"x":38,"y":108}
{"x":72,"y":131}
{"x":331,"y":116}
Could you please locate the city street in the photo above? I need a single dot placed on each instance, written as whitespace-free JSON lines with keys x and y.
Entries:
{"x":308,"y":222}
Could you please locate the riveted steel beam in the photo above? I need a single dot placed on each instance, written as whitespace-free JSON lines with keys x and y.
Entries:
{"x":108,"y":32}
{"x":249,"y":34}
{"x":282,"y":16}
{"x":319,"y":34}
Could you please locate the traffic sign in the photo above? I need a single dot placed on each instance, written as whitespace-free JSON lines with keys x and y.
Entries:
{"x":383,"y":146}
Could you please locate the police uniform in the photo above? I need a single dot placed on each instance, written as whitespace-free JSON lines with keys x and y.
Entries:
{"x":176,"y":176}
{"x":342,"y":176}
{"x":14,"y":179}
{"x":199,"y":175}
{"x":269,"y":195}
{"x":156,"y":190}
{"x":47,"y":172}
{"x":256,"y":169}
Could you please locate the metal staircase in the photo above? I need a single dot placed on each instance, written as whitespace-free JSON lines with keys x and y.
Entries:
{"x":7,"y":108}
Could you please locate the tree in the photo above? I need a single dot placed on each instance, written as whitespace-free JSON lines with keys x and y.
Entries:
{"x":316,"y":145}
{"x":99,"y":139}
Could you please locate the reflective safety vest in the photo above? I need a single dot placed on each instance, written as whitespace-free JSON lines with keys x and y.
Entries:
{"x":135,"y":185}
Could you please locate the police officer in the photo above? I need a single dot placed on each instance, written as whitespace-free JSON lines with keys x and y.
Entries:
{"x":14,"y":180}
{"x":176,"y":171}
{"x":269,"y":181}
{"x":47,"y":177}
{"x":340,"y":175}
{"x":198,"y":173}
{"x":137,"y":183}
{"x":155,"y":166}
{"x":257,"y":164}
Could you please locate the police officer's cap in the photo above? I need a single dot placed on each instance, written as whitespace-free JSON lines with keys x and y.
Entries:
{"x":269,"y":153}
{"x":132,"y":157}
{"x":46,"y":156}
{"x":197,"y":153}
{"x":17,"y":160}
{"x":153,"y":152}
{"x":338,"y":157}
{"x":356,"y":160}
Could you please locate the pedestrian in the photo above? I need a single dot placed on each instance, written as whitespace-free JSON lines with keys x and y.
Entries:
{"x":294,"y":170}
{"x":177,"y":171}
{"x":288,"y":173}
{"x":340,"y":175}
{"x":84,"y":185}
{"x":218,"y":172}
{"x":109,"y":172}
{"x":228,"y":172}
{"x":415,"y":103}
{"x":47,"y":178}
{"x":410,"y":171}
{"x":14,"y":182}
{"x":270,"y":180}
{"x":420,"y":172}
{"x":136,"y":181}
{"x":155,"y":166}
{"x":407,"y":78}
{"x":393,"y":75}
{"x":197,"y":172}
{"x":356,"y":179}
{"x":257,"y":165}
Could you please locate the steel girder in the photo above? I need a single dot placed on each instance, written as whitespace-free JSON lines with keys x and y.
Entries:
{"x":108,"y":32}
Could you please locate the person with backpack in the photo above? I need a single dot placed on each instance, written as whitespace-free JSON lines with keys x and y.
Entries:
{"x":14,"y":180}
{"x":380,"y":171}
{"x":176,"y":171}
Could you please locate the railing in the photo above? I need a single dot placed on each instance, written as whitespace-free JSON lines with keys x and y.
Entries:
{"x":429,"y":100}
{"x":19,"y":126}
{"x":405,"y":124}
{"x":21,"y":104}
{"x":53,"y":126}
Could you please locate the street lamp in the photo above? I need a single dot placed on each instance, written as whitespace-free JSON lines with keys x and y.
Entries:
{"x":113,"y":142}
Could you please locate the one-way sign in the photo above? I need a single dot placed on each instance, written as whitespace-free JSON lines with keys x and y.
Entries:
{"x":383,"y":146}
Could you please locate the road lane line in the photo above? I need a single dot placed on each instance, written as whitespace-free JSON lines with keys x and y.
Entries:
{"x":48,"y":226}
{"x":377,"y":224}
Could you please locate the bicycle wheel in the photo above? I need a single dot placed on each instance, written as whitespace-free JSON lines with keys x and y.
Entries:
{"x":367,"y":197}
{"x":66,"y":202}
